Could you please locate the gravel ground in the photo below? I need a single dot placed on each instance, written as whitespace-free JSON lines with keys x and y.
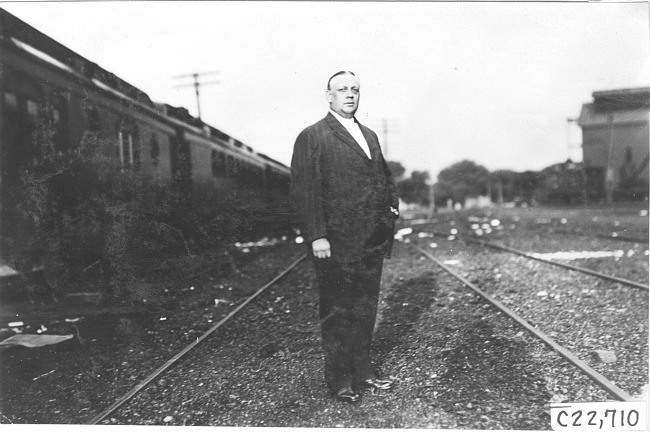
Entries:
{"x":459,"y":364}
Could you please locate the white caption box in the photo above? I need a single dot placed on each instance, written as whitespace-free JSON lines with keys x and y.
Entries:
{"x":600,"y":416}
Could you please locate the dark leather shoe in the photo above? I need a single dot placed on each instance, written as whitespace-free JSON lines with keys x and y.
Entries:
{"x":346,"y":394}
{"x":379,"y":384}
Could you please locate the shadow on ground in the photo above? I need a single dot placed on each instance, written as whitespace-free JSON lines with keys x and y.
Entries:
{"x":404,"y":306}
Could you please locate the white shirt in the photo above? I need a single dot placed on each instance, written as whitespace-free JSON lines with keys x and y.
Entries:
{"x":355,"y":131}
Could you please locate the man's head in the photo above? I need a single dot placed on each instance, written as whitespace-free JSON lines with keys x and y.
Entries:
{"x":343,"y":92}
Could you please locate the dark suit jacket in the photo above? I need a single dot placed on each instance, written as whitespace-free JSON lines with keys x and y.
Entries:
{"x":340,"y":194}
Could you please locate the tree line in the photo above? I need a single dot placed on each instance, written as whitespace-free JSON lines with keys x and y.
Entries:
{"x":465,"y":179}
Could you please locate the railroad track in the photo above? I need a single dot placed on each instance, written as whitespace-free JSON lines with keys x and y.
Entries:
{"x":599,"y":379}
{"x":142,"y":384}
{"x":532,"y":256}
{"x":547,"y":261}
{"x":595,"y":376}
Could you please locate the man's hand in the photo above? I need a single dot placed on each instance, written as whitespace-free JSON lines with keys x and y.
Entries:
{"x":321,"y":248}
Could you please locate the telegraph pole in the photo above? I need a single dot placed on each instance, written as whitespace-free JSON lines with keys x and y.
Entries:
{"x":386,"y":126}
{"x":609,"y":170}
{"x":385,"y":138}
{"x":196,"y":84}
{"x":570,"y":144}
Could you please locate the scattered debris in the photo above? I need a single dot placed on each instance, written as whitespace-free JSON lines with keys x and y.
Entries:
{"x":35,"y":341}
{"x":604,"y":356}
{"x":573,"y":255}
{"x":7,"y":271}
{"x":399,"y":235}
{"x":42,"y":375}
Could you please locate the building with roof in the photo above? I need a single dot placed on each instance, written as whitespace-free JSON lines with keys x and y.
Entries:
{"x":615,"y":144}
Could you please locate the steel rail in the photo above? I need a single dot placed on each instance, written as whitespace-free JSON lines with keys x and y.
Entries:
{"x":127,"y":396}
{"x":566,"y":266}
{"x":603,"y":382}
{"x":623,"y":238}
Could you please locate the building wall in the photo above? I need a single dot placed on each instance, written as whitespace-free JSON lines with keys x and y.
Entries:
{"x":596,"y":141}
{"x":615,"y":141}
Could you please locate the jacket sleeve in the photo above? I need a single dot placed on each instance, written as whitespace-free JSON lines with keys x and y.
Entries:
{"x":306,"y":191}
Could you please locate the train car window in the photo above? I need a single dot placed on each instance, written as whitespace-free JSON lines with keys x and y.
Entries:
{"x":222,"y":162}
{"x":120,"y":144}
{"x":128,"y":144}
{"x":131,"y":157}
{"x":59,"y":114}
{"x":155,"y":151}
{"x":32,"y":109}
{"x":134,"y":148}
{"x":215,"y":163}
{"x":232,"y":165}
{"x":10,"y":101}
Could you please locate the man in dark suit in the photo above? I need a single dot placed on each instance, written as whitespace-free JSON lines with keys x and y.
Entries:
{"x":346,"y":200}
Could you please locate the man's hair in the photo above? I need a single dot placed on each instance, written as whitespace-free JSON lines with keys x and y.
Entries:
{"x":337,"y":74}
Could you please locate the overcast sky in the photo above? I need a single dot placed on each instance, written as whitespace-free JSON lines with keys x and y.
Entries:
{"x":490,"y":82}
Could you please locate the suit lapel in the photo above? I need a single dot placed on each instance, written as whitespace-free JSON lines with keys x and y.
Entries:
{"x":373,"y":145}
{"x":342,"y":133}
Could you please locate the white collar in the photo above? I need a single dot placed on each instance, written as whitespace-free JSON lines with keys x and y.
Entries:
{"x":343,"y":120}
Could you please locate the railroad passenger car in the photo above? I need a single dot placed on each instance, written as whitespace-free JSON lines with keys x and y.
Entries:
{"x":40,"y":79}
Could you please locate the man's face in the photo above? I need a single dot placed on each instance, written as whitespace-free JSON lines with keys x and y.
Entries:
{"x":343,"y":95}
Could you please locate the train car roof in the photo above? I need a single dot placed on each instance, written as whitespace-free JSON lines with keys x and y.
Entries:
{"x":39,"y":45}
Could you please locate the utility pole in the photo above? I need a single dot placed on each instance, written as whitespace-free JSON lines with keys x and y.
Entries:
{"x":609,"y":170}
{"x":432,"y":201}
{"x":385,"y":138}
{"x":570,"y":145}
{"x":387,"y":125}
{"x":196,"y":84}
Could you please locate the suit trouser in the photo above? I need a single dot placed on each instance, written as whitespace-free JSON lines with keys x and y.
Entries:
{"x":349,"y":293}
